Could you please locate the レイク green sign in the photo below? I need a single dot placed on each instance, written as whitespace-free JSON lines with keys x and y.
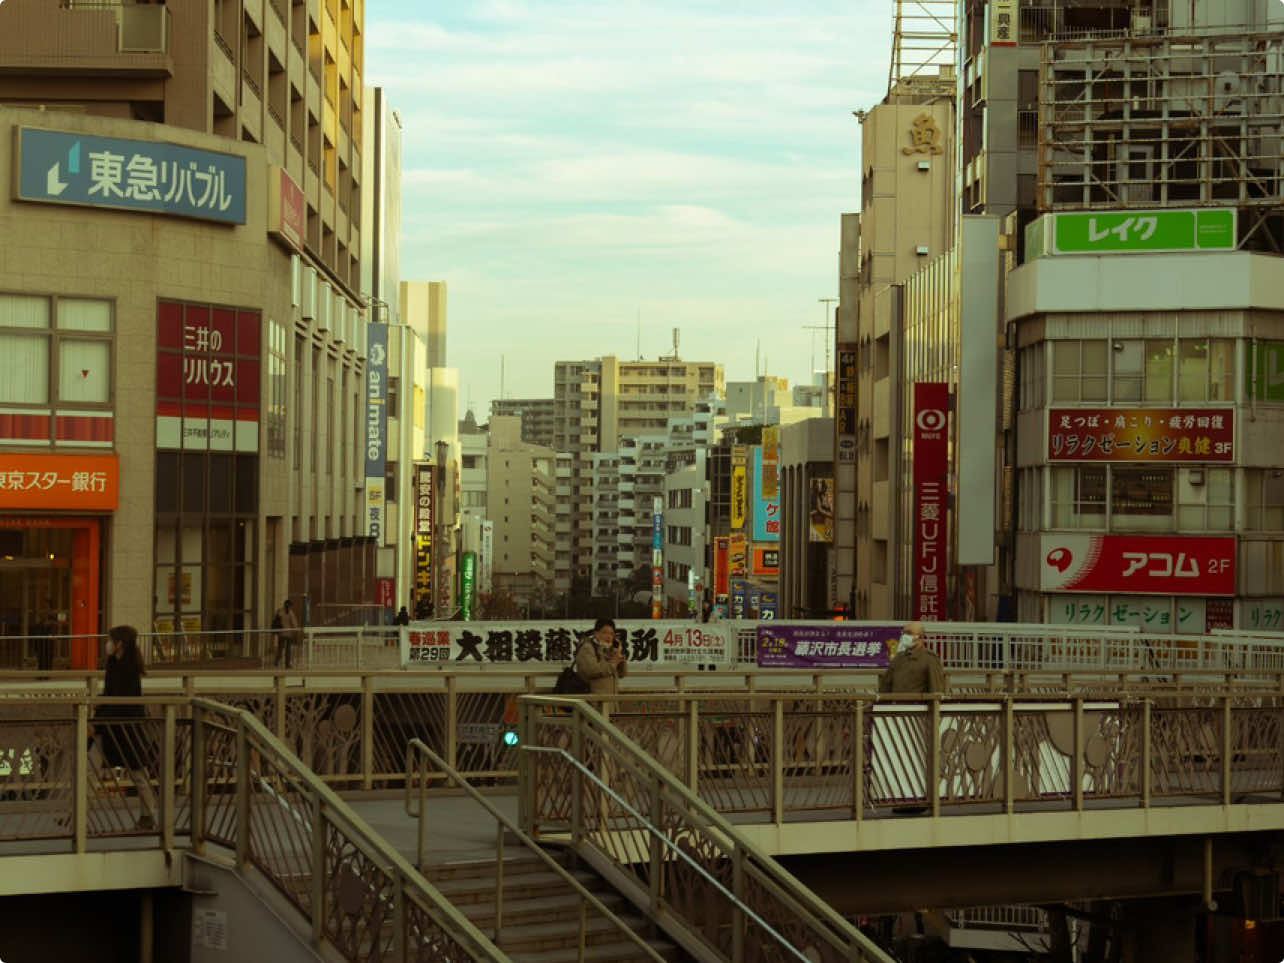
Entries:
{"x":1134,"y":232}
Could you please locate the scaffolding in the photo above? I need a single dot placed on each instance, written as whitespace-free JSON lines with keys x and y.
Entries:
{"x":924,"y":47}
{"x":1166,"y":121}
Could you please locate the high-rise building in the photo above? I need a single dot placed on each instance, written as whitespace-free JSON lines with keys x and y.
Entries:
{"x":597,"y":403}
{"x":188,"y":200}
{"x":537,"y":414}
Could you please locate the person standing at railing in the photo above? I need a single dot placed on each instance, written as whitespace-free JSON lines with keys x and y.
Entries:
{"x":600,"y":660}
{"x":286,"y":624}
{"x":915,"y":669}
{"x":118,"y":741}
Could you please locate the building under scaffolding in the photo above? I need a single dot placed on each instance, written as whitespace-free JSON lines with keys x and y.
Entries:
{"x":1166,"y":121}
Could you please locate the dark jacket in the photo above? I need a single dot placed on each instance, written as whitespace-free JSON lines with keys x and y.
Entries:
{"x":123,"y":745}
{"x":917,"y":671}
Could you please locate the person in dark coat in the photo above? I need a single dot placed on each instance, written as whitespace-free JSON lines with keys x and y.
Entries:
{"x":119,"y":742}
{"x":403,"y":617}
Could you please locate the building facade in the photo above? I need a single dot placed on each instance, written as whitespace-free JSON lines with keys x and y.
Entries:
{"x":520,"y":483}
{"x":537,"y":416}
{"x":210,"y":372}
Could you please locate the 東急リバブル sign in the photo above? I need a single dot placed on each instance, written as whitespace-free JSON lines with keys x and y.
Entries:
{"x":65,"y":167}
{"x":1131,"y":232}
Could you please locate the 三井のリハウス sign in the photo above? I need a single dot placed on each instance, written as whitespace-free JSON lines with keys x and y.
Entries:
{"x":65,"y":167}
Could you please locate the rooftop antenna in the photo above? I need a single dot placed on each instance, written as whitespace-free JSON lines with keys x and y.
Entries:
{"x":675,"y":345}
{"x":501,"y":377}
{"x":757,"y":348}
{"x":639,"y":330}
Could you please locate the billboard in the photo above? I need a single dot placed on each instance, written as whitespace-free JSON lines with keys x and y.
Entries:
{"x":739,"y":487}
{"x":739,"y":597}
{"x":646,"y":642}
{"x":931,"y":464}
{"x":657,"y":557}
{"x":821,"y":510}
{"x":424,"y":500}
{"x":1141,"y":434}
{"x":486,"y":575}
{"x":770,"y":452}
{"x":69,"y":167}
{"x":721,"y":572}
{"x":837,"y":645}
{"x":376,"y":433}
{"x":766,"y":507}
{"x":467,"y":585}
{"x":87,"y":482}
{"x":207,"y":377}
{"x":1132,"y":231}
{"x":766,"y":561}
{"x":1138,"y":564}
{"x":768,"y":606}
{"x":738,"y":556}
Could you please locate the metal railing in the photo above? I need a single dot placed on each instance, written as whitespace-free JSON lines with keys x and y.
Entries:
{"x":785,"y":758}
{"x":351,"y":727}
{"x":214,"y":776}
{"x":584,"y":778}
{"x":416,"y":747}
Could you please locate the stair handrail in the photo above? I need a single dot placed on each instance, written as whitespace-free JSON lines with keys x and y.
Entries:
{"x":503,"y":822}
{"x":855,"y":944}
{"x":253,"y":736}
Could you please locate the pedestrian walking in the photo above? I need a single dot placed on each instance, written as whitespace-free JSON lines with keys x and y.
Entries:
{"x":288,"y":632}
{"x":119,"y":739}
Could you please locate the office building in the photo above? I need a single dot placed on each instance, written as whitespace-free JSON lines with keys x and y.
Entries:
{"x":520,"y":500}
{"x":537,"y":416}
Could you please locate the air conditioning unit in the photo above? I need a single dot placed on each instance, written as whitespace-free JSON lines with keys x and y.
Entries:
{"x":1228,"y":95}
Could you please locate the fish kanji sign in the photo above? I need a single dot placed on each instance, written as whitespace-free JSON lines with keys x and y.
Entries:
{"x":67,"y":167}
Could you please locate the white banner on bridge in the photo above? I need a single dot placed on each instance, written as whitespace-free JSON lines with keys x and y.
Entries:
{"x":533,"y":644}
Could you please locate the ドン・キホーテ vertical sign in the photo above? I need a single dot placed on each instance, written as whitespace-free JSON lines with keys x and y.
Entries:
{"x":931,"y":465}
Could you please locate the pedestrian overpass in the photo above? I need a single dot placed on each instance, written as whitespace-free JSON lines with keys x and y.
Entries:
{"x":727,"y":807}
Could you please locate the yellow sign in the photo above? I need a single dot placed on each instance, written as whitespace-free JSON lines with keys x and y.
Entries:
{"x":925,"y":137}
{"x":739,"y":497}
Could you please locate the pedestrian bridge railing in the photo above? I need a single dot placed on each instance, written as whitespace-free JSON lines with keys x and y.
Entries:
{"x":583,"y":779}
{"x":780,"y":758}
{"x":219,"y":784}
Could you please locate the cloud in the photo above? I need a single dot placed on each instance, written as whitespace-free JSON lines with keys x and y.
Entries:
{"x":569,"y":164}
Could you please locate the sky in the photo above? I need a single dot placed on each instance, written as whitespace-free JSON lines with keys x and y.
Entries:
{"x":573,"y":167}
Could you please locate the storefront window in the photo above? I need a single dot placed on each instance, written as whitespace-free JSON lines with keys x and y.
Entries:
{"x":206,"y":506}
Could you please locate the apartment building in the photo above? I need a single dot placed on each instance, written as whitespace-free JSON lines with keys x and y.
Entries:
{"x":520,"y":484}
{"x":537,"y":414}
{"x":597,"y":403}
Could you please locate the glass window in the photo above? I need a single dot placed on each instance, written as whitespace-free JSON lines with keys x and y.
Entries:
{"x":84,"y":371}
{"x":1205,"y":499}
{"x":23,"y":311}
{"x":24,"y":368}
{"x":1079,"y":370}
{"x":1128,"y":365}
{"x":1142,"y":497}
{"x":1079,"y":497}
{"x":1159,"y":371}
{"x":79,"y":314}
{"x":1264,"y":498}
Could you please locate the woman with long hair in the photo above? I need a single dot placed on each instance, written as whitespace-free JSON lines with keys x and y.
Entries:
{"x":117,"y":742}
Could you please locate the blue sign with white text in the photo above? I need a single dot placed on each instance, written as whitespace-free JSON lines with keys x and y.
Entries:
{"x":61,"y":167}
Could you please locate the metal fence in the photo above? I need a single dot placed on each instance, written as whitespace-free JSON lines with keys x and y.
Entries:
{"x":199,"y":775}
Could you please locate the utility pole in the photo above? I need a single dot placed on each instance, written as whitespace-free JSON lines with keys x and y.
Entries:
{"x":826,"y":327}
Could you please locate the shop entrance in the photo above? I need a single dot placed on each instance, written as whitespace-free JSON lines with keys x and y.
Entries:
{"x":49,"y":584}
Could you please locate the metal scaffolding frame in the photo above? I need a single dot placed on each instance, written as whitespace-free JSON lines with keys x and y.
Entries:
{"x":925,"y":39}
{"x":1170,"y":121}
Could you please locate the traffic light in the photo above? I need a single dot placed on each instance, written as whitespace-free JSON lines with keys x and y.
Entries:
{"x":509,"y":738}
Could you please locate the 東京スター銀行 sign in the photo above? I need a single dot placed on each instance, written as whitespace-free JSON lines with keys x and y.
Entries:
{"x":1131,"y":232}
{"x":64,"y":167}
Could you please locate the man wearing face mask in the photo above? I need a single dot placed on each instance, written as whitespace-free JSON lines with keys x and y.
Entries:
{"x":915,"y":669}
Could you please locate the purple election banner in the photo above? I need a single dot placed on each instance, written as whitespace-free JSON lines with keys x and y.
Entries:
{"x":836,"y":645}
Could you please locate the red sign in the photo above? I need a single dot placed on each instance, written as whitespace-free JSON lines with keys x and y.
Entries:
{"x":1141,"y":434}
{"x":931,"y":465}
{"x":766,"y":561}
{"x":387,"y":593}
{"x":1138,"y":564}
{"x":290,"y":223}
{"x":721,"y":565}
{"x":207,"y":377}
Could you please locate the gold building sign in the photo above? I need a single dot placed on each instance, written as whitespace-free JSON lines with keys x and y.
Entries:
{"x":925,"y":137}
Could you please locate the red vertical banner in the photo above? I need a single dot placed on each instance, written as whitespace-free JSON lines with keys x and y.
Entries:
{"x":931,"y":467}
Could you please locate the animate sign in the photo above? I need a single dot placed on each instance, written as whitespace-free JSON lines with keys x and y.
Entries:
{"x":63,"y":167}
{"x":1141,"y":434}
{"x":1131,"y":232}
{"x":1138,"y":564}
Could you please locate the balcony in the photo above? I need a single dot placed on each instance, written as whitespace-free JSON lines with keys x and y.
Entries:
{"x":86,"y":38}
